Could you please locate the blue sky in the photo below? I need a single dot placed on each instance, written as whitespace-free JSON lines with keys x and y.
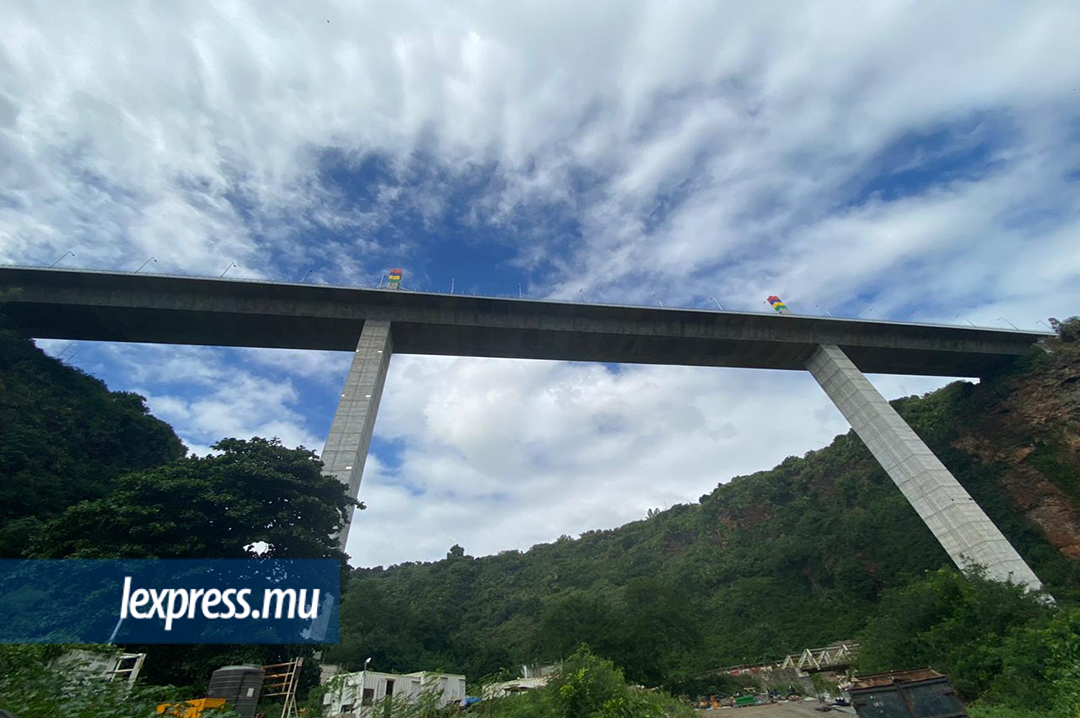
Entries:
{"x":899,"y":160}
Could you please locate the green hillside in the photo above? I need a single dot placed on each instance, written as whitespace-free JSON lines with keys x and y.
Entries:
{"x":64,"y":438}
{"x":766,"y":564}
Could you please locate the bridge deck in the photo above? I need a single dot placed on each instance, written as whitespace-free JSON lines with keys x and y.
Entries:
{"x":125,"y":307}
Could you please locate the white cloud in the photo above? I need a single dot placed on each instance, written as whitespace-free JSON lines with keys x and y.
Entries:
{"x":241,"y":406}
{"x":208,"y":393}
{"x":324,"y":367}
{"x":499,"y":454}
{"x":133,"y":133}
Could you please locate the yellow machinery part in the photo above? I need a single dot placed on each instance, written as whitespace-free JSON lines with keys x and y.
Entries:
{"x":190,"y":709}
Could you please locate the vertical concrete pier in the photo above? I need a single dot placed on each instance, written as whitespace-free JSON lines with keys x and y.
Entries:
{"x":349,"y":439}
{"x":966,"y":533}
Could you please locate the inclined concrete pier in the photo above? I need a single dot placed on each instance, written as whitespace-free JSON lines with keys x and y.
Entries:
{"x":965,"y":532}
{"x":349,"y":440}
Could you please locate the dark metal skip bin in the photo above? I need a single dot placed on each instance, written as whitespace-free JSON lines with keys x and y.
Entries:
{"x":921,"y":693}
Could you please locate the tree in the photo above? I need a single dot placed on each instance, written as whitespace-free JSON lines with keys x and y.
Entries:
{"x":658,"y":628}
{"x":251,"y":497}
{"x":1068,"y":331}
{"x":226,"y":505}
{"x":374,"y":626}
{"x":586,"y":686}
{"x":64,"y":438}
{"x":953,"y":623}
{"x":644,"y":635}
{"x":1040,"y":670}
{"x":576,"y":619}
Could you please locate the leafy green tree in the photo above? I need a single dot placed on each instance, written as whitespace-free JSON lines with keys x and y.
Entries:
{"x":373,"y":626}
{"x":950,"y":622}
{"x":645,"y":634}
{"x":1014,"y":655}
{"x":575,"y":619}
{"x":1040,"y":671}
{"x":64,"y":438}
{"x":252,"y":495}
{"x":658,"y":629}
{"x":586,"y":686}
{"x":1068,"y":330}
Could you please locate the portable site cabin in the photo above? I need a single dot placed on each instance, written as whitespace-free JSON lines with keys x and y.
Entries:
{"x":354,"y":695}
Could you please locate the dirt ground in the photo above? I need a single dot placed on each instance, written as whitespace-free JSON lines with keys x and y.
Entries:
{"x":777,"y":710}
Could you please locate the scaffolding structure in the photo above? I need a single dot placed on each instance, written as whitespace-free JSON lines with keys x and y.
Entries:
{"x":280,"y":681}
{"x":127,"y":667}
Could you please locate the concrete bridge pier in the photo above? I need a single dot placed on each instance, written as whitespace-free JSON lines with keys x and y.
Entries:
{"x":958,"y":523}
{"x":349,"y":439}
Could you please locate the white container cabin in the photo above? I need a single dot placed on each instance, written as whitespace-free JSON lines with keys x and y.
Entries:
{"x":354,"y":695}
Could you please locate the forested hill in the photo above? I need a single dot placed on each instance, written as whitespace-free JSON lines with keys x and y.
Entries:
{"x":766,"y":564}
{"x":64,"y":438}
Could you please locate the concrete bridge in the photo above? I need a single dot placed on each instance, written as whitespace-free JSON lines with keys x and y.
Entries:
{"x":375,"y":323}
{"x":79,"y":304}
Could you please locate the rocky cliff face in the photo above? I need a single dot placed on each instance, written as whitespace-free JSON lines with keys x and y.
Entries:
{"x":1028,"y":423}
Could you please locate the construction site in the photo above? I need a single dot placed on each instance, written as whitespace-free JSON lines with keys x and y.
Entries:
{"x":812,"y":682}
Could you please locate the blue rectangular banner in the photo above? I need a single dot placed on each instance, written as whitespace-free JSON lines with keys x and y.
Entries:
{"x":134,"y":601}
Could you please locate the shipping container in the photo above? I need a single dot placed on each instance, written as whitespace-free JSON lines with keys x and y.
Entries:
{"x":921,"y":693}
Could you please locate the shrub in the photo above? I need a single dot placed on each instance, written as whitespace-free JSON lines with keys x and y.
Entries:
{"x":587,"y":686}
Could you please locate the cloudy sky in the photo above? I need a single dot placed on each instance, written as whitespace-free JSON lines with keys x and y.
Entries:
{"x":890,"y":159}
